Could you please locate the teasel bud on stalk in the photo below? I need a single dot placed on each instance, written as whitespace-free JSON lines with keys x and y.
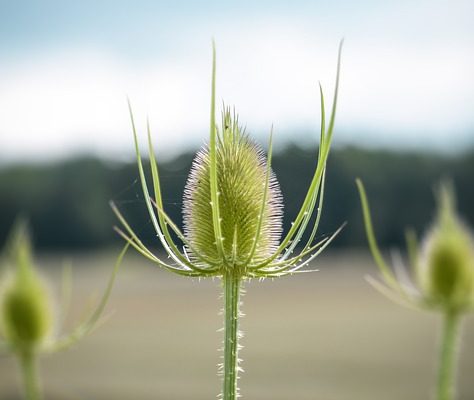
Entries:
{"x":442,"y":277}
{"x":233,"y":218}
{"x":28,"y":318}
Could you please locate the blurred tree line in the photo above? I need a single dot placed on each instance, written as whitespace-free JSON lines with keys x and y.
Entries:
{"x":67,"y":202}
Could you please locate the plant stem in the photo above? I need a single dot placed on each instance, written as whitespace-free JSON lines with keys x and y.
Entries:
{"x":448,"y":356}
{"x":30,"y":376}
{"x":231,"y":345}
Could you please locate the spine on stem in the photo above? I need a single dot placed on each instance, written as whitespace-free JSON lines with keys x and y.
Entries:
{"x":232,"y":283}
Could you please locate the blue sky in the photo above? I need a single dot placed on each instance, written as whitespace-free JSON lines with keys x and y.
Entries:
{"x":66,"y":68}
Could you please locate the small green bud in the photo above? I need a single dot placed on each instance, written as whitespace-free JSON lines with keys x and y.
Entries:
{"x":446,"y":263}
{"x":26,"y":314}
{"x":26,"y":317}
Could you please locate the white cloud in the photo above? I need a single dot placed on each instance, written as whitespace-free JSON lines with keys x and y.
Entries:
{"x":61,"y":102}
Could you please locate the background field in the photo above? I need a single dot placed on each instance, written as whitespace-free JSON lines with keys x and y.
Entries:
{"x":326,"y":335}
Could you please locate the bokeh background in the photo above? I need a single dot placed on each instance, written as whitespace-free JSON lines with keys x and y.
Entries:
{"x":404,"y":122}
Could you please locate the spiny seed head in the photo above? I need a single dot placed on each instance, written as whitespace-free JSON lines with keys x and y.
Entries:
{"x":26,"y":318}
{"x":446,"y":264}
{"x":241,"y":185}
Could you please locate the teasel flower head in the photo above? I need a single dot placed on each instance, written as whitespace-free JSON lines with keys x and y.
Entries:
{"x":442,"y":266}
{"x":242,"y":183}
{"x":233,"y":206}
{"x":29,"y":317}
{"x":233,"y":219}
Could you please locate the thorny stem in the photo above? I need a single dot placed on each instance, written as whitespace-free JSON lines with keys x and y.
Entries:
{"x":30,"y":376}
{"x":231,"y":283}
{"x":448,"y":356}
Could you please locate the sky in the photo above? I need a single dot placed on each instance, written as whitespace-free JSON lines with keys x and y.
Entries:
{"x":66,"y":69}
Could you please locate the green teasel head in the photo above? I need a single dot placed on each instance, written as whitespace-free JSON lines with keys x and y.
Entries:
{"x":442,"y":267}
{"x":26,"y":308}
{"x":445,"y":267}
{"x":233,"y":206}
{"x":241,"y":185}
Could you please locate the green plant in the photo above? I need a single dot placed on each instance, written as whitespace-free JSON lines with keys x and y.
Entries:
{"x":233,"y":218}
{"x":443,"y":269}
{"x":27,"y":318}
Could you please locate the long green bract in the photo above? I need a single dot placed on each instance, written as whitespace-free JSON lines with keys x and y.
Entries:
{"x":316,"y":180}
{"x":146,"y":194}
{"x":213,"y":165}
{"x":91,"y":321}
{"x":137,"y":244}
{"x":319,"y":192}
{"x":264,"y":199}
{"x":150,"y":256}
{"x":289,"y":265}
{"x":374,"y":248}
{"x":170,"y":247}
{"x":164,"y":219}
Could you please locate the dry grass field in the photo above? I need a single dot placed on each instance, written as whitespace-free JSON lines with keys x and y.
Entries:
{"x":321,"y":336}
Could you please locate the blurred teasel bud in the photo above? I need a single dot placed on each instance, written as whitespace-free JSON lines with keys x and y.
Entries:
{"x":443,"y":278}
{"x":26,"y":312}
{"x":445,"y":266}
{"x":26,"y":309}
